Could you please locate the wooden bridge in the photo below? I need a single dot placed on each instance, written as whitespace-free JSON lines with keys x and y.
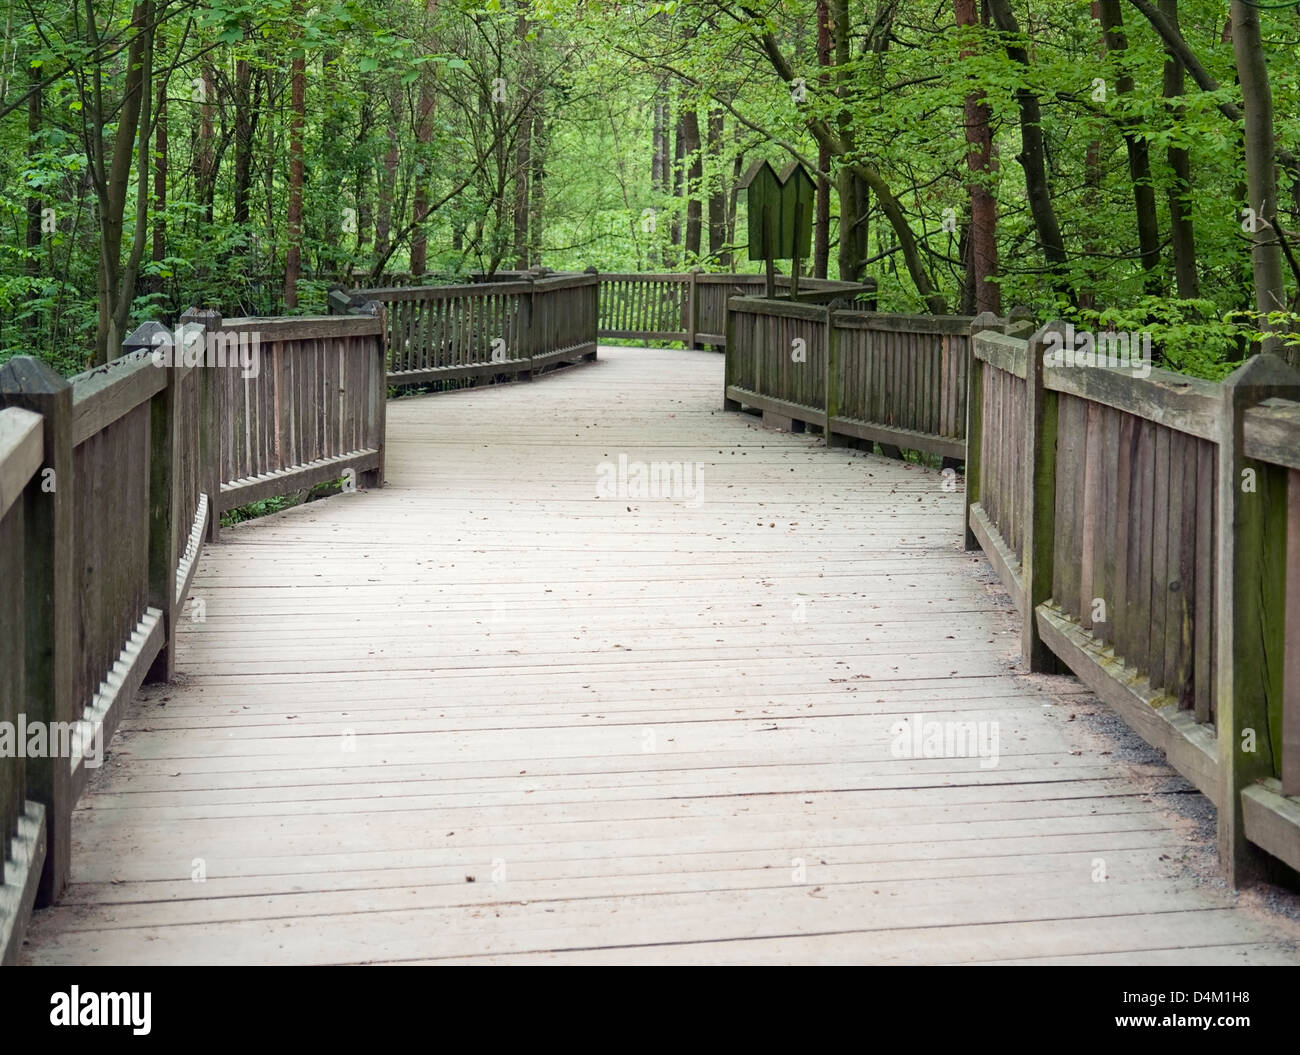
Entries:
{"x":608,"y":673}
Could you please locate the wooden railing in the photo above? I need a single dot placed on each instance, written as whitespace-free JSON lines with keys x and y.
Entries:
{"x":892,"y":379}
{"x":691,"y":306}
{"x":1099,"y":494}
{"x":22,"y":813}
{"x":483,"y":329}
{"x":110,"y":483}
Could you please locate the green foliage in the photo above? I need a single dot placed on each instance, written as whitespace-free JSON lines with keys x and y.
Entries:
{"x":507,"y":134}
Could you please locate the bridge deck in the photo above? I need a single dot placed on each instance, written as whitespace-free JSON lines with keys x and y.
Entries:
{"x":483,"y":714}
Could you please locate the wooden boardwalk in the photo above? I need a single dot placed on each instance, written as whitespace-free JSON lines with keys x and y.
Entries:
{"x":484,"y":715}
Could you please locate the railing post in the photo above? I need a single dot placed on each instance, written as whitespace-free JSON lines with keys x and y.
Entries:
{"x":729,"y":357}
{"x":527,"y":318}
{"x":164,"y":496}
{"x":592,"y":303}
{"x":833,"y":394}
{"x":1040,"y":503}
{"x":692,"y":308}
{"x":378,"y":397}
{"x":1249,"y":609}
{"x":51,"y":640}
{"x":212,"y":415}
{"x":975,"y":415}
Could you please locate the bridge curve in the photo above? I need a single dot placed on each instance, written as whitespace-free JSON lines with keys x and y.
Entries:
{"x":510,"y":707}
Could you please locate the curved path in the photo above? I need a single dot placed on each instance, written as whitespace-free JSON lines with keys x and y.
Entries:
{"x":483,"y":714}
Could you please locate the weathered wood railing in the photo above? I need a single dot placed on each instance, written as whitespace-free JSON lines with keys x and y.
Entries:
{"x":691,"y":306}
{"x":22,"y":813}
{"x":892,"y":379}
{"x":1099,"y":494}
{"x":109,"y":485}
{"x":484,"y":329}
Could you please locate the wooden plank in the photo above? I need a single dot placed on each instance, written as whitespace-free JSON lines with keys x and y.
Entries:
{"x":305,"y":327}
{"x":26,"y":858}
{"x":886,"y":322}
{"x":1160,"y":577}
{"x":1291,"y":675}
{"x":1006,"y":565}
{"x":295,"y":478}
{"x":1203,"y":645}
{"x":1271,"y":432}
{"x":22,"y":449}
{"x":1272,"y":821}
{"x":1173,"y":401}
{"x":1000,"y":351}
{"x":1153,"y":715}
{"x":103,"y":395}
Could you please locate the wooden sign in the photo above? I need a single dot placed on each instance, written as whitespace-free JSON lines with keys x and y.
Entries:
{"x":780,"y":208}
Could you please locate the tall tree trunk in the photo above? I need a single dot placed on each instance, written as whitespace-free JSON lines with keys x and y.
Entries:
{"x":822,"y":218}
{"x":388,"y":177}
{"x":523,"y":166}
{"x":853,"y":193}
{"x":112,"y":180}
{"x":1092,"y":179}
{"x":245,"y":128}
{"x":1182,"y":233}
{"x":205,"y":161}
{"x":1261,"y":182}
{"x":1139,"y":160}
{"x":679,"y":180}
{"x":694,"y":174}
{"x":297,"y":118}
{"x":160,"y":183}
{"x":332,"y":160}
{"x":983,"y":206}
{"x":660,"y":173}
{"x":537,"y":186}
{"x":715,"y":134}
{"x":423,"y":170}
{"x":35,"y":209}
{"x":1033,"y":157}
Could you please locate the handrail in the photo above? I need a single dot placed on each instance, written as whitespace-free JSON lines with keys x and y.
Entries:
{"x":1146,"y":524}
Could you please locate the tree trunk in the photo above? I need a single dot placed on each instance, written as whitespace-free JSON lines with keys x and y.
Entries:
{"x":35,"y":210}
{"x":205,"y":162}
{"x":983,"y":250}
{"x":1182,"y":234}
{"x":1139,"y":160}
{"x":694,"y":174}
{"x":297,"y":118}
{"x":715,"y":134}
{"x":1033,"y":157}
{"x":822,"y":218}
{"x":160,"y":184}
{"x":854,"y":195}
{"x":679,"y":181}
{"x":116,"y":283}
{"x":537,"y":187}
{"x":245,"y":129}
{"x":1261,"y":182}
{"x":388,"y":178}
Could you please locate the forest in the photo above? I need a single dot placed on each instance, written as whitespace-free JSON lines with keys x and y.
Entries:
{"x":1123,"y":164}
